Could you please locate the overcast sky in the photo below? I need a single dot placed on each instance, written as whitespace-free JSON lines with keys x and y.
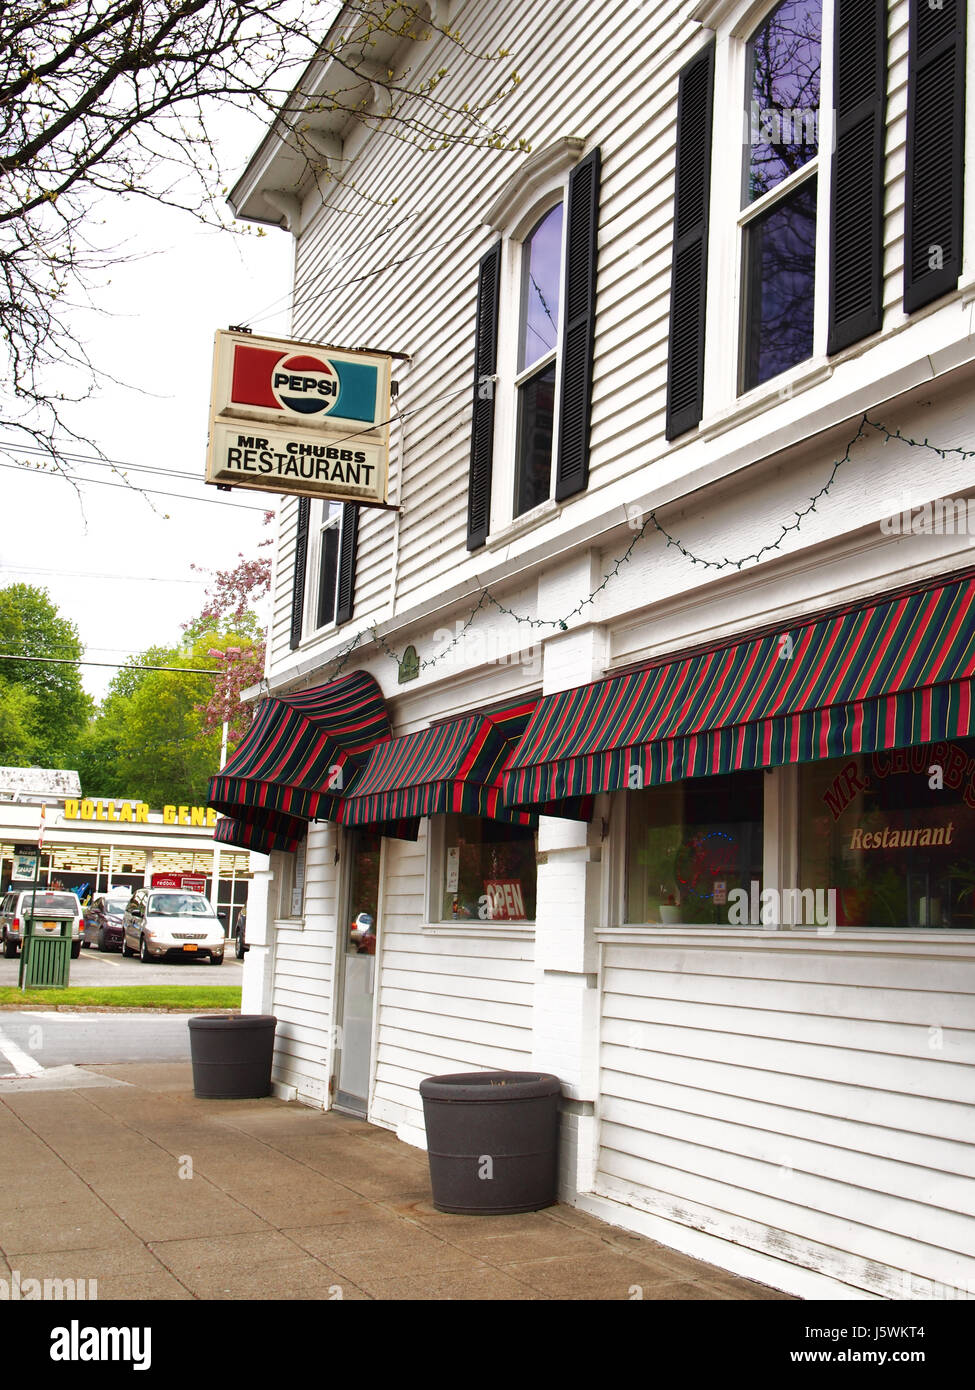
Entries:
{"x":126,"y":580}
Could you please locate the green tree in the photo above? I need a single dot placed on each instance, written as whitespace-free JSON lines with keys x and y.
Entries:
{"x":18,"y":718}
{"x":44,"y":705}
{"x":149,"y":738}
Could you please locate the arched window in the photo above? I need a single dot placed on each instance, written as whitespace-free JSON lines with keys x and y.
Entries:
{"x":538,"y":336}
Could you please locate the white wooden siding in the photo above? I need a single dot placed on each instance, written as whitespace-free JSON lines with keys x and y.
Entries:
{"x":449,"y":1003}
{"x":812,"y":1102}
{"x":304,"y":961}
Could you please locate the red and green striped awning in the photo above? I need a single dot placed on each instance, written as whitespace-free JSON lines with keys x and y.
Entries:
{"x":455,"y":766}
{"x":274,"y":831}
{"x":894,"y":672}
{"x":301,"y":754}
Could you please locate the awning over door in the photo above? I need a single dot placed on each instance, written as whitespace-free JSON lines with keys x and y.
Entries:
{"x":455,"y":766}
{"x":893,"y":672}
{"x":300,"y":755}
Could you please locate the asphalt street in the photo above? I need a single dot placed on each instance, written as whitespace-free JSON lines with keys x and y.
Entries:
{"x":94,"y":968}
{"x":32,"y":1042}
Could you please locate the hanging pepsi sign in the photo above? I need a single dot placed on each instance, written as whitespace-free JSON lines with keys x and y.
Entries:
{"x":297,"y":418}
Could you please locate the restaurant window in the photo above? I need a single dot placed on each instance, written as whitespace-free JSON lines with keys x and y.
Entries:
{"x":694,"y":848}
{"x":488,"y":871}
{"x":892,"y":834}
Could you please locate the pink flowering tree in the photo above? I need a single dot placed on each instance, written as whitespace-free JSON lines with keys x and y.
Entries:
{"x":231,"y":634}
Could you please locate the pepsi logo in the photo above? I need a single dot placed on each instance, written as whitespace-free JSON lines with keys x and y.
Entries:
{"x":305,"y":384}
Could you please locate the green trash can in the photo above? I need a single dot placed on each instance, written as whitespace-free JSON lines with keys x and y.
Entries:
{"x":45,"y":953}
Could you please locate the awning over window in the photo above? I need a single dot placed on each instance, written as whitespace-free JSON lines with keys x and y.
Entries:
{"x":887,"y":674}
{"x":451,"y":767}
{"x":301,"y":754}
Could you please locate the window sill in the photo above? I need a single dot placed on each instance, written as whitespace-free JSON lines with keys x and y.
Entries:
{"x":500,"y":931}
{"x":289,"y":924}
{"x":522,"y":524}
{"x":841,"y":936}
{"x":756,"y":402}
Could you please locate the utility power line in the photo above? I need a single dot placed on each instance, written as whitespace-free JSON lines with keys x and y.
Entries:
{"x":116,"y":665}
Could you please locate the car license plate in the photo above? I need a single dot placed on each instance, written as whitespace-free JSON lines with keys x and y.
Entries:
{"x":49,"y":926}
{"x":189,"y":946}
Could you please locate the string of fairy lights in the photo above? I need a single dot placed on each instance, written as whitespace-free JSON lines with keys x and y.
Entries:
{"x":651,"y":523}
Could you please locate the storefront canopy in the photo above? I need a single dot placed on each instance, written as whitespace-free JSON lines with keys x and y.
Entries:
{"x":301,"y":753}
{"x":455,"y":766}
{"x":893,"y":672}
{"x":271,"y":831}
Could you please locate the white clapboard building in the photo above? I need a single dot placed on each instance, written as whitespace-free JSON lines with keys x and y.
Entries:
{"x":635,"y":742}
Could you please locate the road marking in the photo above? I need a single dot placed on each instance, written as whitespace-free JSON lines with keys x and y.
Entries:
{"x":21,"y":1061}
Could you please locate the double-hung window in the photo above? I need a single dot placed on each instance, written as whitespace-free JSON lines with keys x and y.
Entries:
{"x":781,"y":233}
{"x":326,"y":561}
{"x":325,"y":550}
{"x":780,"y":177}
{"x":779,"y":229}
{"x":534,"y":341}
{"x":538,"y":340}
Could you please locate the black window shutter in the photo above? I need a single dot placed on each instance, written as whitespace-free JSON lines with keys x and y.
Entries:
{"x":935,"y":151}
{"x":579,"y":317}
{"x":301,"y":556}
{"x":482,"y":424}
{"x":345,"y":585}
{"x":856,"y":244}
{"x":689,"y":269}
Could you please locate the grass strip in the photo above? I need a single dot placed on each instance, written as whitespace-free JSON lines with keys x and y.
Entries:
{"x":129,"y":997}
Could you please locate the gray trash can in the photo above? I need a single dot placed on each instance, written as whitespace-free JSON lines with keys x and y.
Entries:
{"x":231,"y":1055}
{"x":492,"y":1141}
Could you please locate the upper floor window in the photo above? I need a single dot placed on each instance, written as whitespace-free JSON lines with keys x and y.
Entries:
{"x":324,"y":566}
{"x":538,"y":333}
{"x":780,"y":190}
{"x":534,"y":341}
{"x":325,"y":559}
{"x":779,"y":214}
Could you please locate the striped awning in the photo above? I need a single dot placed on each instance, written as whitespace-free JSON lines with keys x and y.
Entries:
{"x":893,"y":672}
{"x":272,"y":830}
{"x":300,"y":755}
{"x":455,"y":766}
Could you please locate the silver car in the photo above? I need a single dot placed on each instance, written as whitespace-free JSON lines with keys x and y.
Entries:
{"x":171,"y":922}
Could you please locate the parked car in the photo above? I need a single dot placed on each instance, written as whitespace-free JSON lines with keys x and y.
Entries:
{"x":48,"y":907}
{"x":103,"y":920}
{"x":170,"y":922}
{"x":240,"y":934}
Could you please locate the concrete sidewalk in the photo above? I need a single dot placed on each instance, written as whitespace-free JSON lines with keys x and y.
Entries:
{"x":118,"y":1174}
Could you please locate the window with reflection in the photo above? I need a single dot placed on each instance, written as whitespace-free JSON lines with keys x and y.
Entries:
{"x":538,"y":336}
{"x":891,"y":835}
{"x":780,"y":190}
{"x":693,"y":848}
{"x":328,"y":562}
{"x":488,"y":872}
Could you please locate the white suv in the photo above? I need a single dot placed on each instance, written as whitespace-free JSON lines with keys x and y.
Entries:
{"x":162,"y":922}
{"x":48,"y":907}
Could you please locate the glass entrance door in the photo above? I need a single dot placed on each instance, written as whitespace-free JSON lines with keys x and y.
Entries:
{"x":357,"y":988}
